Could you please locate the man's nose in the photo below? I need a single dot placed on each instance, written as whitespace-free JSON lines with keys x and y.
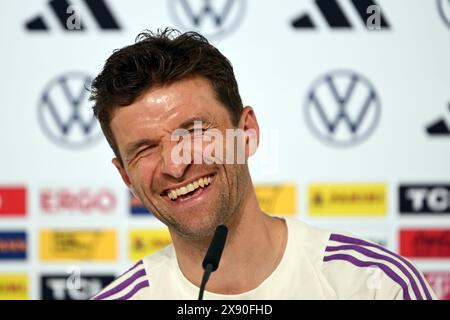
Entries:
{"x":175,"y":160}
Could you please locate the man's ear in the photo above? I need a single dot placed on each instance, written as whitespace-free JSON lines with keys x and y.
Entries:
{"x":249,"y":124}
{"x":122,"y":172}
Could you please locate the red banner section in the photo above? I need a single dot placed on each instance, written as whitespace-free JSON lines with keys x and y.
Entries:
{"x":440,"y":282}
{"x":425,"y":243}
{"x":13,"y":201}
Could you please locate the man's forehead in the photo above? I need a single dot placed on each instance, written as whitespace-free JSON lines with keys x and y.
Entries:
{"x":176,"y":117}
{"x":140,"y":125}
{"x":175,"y":100}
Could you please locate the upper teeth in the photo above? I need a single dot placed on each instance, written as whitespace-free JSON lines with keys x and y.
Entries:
{"x":202,"y":182}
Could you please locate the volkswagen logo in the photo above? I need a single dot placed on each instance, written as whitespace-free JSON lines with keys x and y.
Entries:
{"x":212,"y":19}
{"x":444,"y":10}
{"x":342,"y":108}
{"x":65,"y":114}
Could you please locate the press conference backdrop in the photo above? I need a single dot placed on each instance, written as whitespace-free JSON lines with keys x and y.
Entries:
{"x":352,"y":97}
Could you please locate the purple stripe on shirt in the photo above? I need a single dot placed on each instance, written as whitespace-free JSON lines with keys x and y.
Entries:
{"x":375,"y":255}
{"x":134,"y":267}
{"x":388,"y":271}
{"x":122,"y":285}
{"x":346,"y":239}
{"x":136,"y":288}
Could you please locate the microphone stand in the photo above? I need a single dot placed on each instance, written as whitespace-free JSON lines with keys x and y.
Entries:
{"x":213,"y":255}
{"x":205,"y":279}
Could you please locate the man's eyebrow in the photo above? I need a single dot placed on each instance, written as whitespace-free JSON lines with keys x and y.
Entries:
{"x":132,"y":147}
{"x":190,"y":122}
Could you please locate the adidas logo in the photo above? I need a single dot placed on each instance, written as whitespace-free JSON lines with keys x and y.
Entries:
{"x":69,"y":16}
{"x":337,"y":18}
{"x":440,"y":127}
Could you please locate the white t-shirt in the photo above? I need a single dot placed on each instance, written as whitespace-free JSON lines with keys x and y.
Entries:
{"x":316,"y":264}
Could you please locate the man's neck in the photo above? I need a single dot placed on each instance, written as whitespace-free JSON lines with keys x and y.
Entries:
{"x":254,"y":248}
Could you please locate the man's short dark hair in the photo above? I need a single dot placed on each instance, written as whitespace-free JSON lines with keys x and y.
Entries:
{"x":157,"y":59}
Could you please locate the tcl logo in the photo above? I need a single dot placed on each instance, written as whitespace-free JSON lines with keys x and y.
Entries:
{"x":428,"y":243}
{"x":73,"y":287}
{"x":57,"y":201}
{"x":427,"y":198}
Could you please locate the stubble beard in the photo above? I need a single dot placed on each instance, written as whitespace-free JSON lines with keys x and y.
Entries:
{"x":204,"y":228}
{"x":203,"y":224}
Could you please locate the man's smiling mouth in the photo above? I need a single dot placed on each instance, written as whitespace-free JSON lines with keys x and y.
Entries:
{"x":189,"y":189}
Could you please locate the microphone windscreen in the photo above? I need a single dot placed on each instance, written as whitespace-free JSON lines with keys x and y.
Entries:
{"x":216,"y":247}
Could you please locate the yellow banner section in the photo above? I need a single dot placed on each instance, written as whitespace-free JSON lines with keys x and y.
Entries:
{"x":352,"y":199}
{"x":84,"y":245}
{"x":13,"y":286}
{"x":143,"y":242}
{"x":279,"y":199}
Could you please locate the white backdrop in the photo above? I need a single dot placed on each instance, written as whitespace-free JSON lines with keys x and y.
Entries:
{"x":278,"y":67}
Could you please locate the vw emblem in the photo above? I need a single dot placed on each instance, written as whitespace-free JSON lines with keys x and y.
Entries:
{"x":65,"y":114}
{"x":342,"y":108}
{"x":444,"y":10}
{"x":212,"y":19}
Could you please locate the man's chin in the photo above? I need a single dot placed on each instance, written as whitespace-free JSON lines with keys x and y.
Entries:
{"x":196,"y":231}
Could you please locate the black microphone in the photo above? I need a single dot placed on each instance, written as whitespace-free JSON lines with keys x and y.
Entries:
{"x":213,"y":255}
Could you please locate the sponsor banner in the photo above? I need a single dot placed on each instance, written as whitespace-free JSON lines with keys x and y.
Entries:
{"x":13,"y":286}
{"x":440,"y":282}
{"x":64,"y":113}
{"x":84,"y":245}
{"x":277,"y":198}
{"x":425,"y":243}
{"x":136,"y":206}
{"x":13,"y":245}
{"x":440,"y":128}
{"x":86,"y":201}
{"x":342,"y":108}
{"x":143,"y":242}
{"x":338,"y":18}
{"x":68,"y":17}
{"x":13,"y":201}
{"x":73,"y":287}
{"x":359,"y":199}
{"x":424,"y":198}
{"x":212,"y":19}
